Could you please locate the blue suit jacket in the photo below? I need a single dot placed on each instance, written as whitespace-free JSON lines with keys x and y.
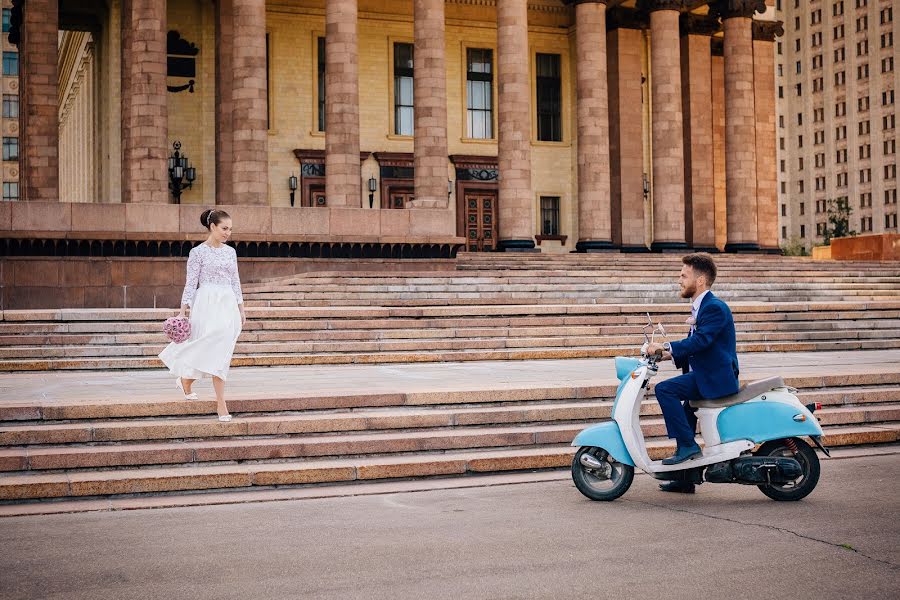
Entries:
{"x":711,"y":350}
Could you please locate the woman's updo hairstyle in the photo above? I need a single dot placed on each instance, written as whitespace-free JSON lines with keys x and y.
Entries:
{"x":212,"y":217}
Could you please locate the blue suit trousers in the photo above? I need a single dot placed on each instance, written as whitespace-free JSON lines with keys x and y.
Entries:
{"x":674,"y":396}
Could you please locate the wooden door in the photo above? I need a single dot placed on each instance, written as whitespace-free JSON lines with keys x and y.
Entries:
{"x":481,"y":221}
{"x":398,"y":197}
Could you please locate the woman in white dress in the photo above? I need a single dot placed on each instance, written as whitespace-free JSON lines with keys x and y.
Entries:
{"x":216,"y":313}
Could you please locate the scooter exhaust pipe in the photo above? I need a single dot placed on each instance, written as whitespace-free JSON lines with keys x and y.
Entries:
{"x":591,"y":462}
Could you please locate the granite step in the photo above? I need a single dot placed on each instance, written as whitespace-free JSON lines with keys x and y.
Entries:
{"x":157,"y":480}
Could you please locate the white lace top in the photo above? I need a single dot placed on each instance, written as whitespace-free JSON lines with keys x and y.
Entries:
{"x":208,"y":265}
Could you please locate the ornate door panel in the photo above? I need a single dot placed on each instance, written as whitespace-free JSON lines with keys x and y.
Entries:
{"x":480,"y":221}
{"x":398,"y":197}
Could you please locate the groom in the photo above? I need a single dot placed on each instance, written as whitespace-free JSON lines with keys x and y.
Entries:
{"x":707,"y":357}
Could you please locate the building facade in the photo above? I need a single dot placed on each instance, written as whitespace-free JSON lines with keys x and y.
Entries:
{"x":837,"y":78}
{"x":9,"y":120}
{"x":559,"y":125}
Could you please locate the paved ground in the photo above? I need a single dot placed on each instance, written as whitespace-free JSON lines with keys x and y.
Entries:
{"x":534,"y":540}
{"x":316,"y":380}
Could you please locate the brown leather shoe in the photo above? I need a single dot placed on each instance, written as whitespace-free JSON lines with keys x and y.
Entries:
{"x":681,"y":487}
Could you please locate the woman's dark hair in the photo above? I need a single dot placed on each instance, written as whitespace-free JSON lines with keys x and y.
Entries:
{"x":702,"y":264}
{"x":212,"y":216}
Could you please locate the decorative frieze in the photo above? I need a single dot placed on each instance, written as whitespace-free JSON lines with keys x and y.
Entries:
{"x":727,"y":9}
{"x":767,"y":31}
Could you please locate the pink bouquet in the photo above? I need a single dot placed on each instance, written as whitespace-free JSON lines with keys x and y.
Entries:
{"x":177,"y":329}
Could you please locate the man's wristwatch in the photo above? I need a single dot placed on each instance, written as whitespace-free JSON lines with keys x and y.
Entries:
{"x":667,"y":347}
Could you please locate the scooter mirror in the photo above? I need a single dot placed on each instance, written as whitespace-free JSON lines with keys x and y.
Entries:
{"x":662,"y":329}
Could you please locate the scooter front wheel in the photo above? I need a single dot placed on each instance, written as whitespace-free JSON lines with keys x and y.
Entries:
{"x":598,"y":476}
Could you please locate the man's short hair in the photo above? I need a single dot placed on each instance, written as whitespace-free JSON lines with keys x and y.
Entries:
{"x":703,"y":264}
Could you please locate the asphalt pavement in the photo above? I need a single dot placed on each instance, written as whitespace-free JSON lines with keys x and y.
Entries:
{"x":532,"y":540}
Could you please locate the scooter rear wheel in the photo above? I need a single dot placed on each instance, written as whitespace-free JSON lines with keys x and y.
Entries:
{"x":809,"y":462}
{"x":607,"y":483}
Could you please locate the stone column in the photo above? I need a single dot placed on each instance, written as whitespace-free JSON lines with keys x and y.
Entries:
{"x":626,"y":138}
{"x":667,"y":126}
{"x":38,"y":119}
{"x":224,"y":45}
{"x":764,"y":33}
{"x":718,"y":132}
{"x":430,"y":116}
{"x":342,"y":169}
{"x":515,"y":204}
{"x":696,"y":80}
{"x":144,"y":113}
{"x":249,"y":104}
{"x":740,"y":123}
{"x":594,"y":230}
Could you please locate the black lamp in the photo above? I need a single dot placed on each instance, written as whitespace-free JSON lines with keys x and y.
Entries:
{"x":449,"y":187}
{"x":372,"y":185}
{"x":292,"y":185}
{"x":181,"y":174}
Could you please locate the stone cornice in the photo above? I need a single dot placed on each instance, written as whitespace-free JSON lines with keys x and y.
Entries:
{"x":573,"y":2}
{"x":727,"y":9}
{"x":767,"y":30}
{"x":654,"y":5}
{"x":693,"y":24}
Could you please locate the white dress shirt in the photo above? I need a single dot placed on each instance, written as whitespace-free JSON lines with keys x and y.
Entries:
{"x":695,"y":308}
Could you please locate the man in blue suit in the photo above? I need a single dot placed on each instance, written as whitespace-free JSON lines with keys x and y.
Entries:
{"x":707,"y":357}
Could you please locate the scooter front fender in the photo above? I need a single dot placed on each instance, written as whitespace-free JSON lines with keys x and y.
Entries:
{"x":606,"y":436}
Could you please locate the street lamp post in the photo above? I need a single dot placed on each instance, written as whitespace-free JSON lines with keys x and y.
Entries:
{"x":181,"y":174}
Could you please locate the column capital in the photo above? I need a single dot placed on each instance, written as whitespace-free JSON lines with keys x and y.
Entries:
{"x":692,"y":24}
{"x":727,"y":9}
{"x":767,"y":30}
{"x":654,"y":5}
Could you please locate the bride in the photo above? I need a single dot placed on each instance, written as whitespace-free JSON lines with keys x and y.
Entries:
{"x":216,"y":313}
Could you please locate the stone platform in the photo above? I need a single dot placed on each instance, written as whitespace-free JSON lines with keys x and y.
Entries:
{"x":88,"y":435}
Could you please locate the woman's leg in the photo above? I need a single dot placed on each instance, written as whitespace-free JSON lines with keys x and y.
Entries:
{"x":186,"y":384}
{"x":219,"y":387}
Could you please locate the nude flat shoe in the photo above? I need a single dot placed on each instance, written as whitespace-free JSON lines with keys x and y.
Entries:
{"x":191,"y":396}
{"x":224,"y":418}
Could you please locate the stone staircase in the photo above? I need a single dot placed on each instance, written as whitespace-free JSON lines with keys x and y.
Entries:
{"x":84,"y":449}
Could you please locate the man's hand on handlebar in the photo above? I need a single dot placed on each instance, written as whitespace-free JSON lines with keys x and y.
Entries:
{"x":659,"y":351}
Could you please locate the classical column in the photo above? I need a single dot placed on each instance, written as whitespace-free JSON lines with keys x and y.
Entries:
{"x":430,"y":115}
{"x":224,"y":45}
{"x":594,"y":230}
{"x":342,"y":170}
{"x":144,"y":112}
{"x":38,"y":119}
{"x":667,"y":126}
{"x":696,"y":83}
{"x":515,"y":204}
{"x":740,"y":123}
{"x":249,"y":104}
{"x":764,"y":33}
{"x":718,"y":134}
{"x":626,"y":136}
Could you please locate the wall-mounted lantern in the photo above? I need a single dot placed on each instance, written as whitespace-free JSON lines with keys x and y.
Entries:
{"x":292,"y":185}
{"x":373,"y":183}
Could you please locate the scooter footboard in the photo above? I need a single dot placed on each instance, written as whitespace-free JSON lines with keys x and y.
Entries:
{"x":608,"y":437}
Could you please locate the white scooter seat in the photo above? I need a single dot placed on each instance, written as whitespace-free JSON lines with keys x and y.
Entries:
{"x":748,"y":392}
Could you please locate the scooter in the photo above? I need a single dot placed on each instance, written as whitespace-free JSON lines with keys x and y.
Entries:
{"x":751,"y":438}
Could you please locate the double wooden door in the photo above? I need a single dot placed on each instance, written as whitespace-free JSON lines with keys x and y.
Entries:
{"x":480,"y":219}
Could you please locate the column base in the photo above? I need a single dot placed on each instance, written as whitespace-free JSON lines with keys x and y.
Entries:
{"x":744,"y":247}
{"x":634,"y":249}
{"x":595,"y":246}
{"x":707,"y":249}
{"x":517,"y":246}
{"x":771,"y":250}
{"x":669,"y":247}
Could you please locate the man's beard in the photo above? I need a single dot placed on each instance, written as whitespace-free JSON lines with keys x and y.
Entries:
{"x":688,"y":292}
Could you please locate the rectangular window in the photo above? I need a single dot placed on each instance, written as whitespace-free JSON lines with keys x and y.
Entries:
{"x":802,"y":231}
{"x":11,"y":64}
{"x":887,"y":15}
{"x":887,"y":64}
{"x":890,"y":147}
{"x":862,"y":104}
{"x":862,"y":71}
{"x":862,"y":48}
{"x":802,"y":208}
{"x":784,"y":210}
{"x":10,"y":106}
{"x":887,"y":97}
{"x":403,"y":89}
{"x":887,"y":122}
{"x":10,"y":148}
{"x":549,"y":98}
{"x":6,"y":14}
{"x":890,"y":196}
{"x":479,"y":93}
{"x":10,"y":190}
{"x":839,"y":32}
{"x":550,"y":215}
{"x":887,"y":39}
{"x":783,"y":232}
{"x":320,"y":70}
{"x":781,"y":121}
{"x":862,"y":24}
{"x":864,"y":128}
{"x":799,"y":67}
{"x":799,"y":118}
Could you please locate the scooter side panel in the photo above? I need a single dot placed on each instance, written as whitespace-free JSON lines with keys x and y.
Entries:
{"x":608,"y":437}
{"x":764,"y":421}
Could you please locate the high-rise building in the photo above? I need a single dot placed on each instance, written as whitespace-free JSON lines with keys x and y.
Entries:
{"x":837,"y":73}
{"x":9,"y":122}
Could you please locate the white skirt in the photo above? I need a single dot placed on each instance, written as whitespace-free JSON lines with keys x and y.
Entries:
{"x":215,"y":327}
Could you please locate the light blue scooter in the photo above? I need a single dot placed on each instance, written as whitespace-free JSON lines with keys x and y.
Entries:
{"x":765,"y":415}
